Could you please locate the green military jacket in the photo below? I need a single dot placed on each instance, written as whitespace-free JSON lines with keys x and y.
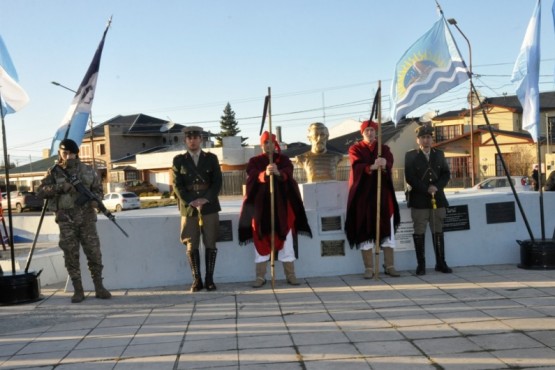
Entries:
{"x":421,"y":173}
{"x":191,"y":182}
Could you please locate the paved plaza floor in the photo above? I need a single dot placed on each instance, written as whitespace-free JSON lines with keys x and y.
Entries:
{"x":486,"y":317}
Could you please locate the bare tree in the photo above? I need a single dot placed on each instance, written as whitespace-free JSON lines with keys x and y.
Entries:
{"x":520,"y":160}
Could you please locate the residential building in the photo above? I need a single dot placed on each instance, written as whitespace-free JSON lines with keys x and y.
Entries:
{"x":520,"y":153}
{"x":140,"y":147}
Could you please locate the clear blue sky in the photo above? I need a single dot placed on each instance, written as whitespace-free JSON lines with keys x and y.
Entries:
{"x":186,"y":59}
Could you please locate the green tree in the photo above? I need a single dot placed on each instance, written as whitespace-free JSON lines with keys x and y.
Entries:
{"x":229,"y":126}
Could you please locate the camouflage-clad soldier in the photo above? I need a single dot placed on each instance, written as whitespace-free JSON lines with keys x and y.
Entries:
{"x":197,"y":180}
{"x":77,"y":222}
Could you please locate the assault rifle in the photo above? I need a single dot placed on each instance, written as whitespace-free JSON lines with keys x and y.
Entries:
{"x":85,"y":195}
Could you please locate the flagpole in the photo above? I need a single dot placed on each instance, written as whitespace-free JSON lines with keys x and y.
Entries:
{"x":7,"y":172}
{"x":542,"y":218}
{"x":377,"y":239}
{"x":504,"y":165}
{"x":272,"y":200}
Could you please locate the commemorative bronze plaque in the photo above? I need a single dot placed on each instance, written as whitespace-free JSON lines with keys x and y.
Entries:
{"x":456,"y":218}
{"x":331,"y":248}
{"x":331,"y":223}
{"x":501,"y":212}
{"x":225,"y":233}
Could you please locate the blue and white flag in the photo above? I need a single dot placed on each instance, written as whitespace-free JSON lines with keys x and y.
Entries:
{"x":13,"y":96}
{"x":75,"y":121}
{"x":526,"y":73}
{"x":429,"y":68}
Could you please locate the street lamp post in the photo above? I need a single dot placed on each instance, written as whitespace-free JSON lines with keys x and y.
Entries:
{"x":453,"y":22}
{"x":90,"y":121}
{"x":63,"y":86}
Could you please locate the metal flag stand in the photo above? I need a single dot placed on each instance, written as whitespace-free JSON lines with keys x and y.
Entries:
{"x":15,"y":288}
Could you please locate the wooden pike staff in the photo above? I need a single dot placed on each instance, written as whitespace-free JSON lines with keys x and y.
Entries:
{"x":268,"y":112}
{"x":272,"y":200}
{"x":377,"y":240}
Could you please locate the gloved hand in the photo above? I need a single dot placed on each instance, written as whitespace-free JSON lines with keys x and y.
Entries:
{"x":68,"y":188}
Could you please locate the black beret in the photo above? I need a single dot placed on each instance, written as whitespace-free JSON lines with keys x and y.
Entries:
{"x":69,"y":145}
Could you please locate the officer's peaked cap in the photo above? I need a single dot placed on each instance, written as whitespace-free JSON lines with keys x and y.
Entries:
{"x":424,"y":130}
{"x":192,"y":131}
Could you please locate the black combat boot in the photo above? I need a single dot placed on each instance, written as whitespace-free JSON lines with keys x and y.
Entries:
{"x":210,"y":264}
{"x":439,"y":249}
{"x":99,"y":290}
{"x":78,"y":292}
{"x":194,"y":262}
{"x":419,"y":247}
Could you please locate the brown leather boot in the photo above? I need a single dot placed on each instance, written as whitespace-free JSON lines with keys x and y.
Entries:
{"x":389,"y":265}
{"x":367,"y":258}
{"x":289,"y":269}
{"x":260,"y":275}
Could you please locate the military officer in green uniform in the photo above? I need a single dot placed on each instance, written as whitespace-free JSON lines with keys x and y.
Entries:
{"x":197,"y":180}
{"x":427,"y":173}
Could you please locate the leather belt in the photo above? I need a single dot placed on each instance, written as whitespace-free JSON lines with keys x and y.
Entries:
{"x":197,"y":187}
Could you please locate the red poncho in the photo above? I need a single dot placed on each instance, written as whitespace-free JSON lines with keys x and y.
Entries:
{"x":255,"y":217}
{"x":360,"y":222}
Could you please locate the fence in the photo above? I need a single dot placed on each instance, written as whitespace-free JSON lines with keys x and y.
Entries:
{"x":233,"y":181}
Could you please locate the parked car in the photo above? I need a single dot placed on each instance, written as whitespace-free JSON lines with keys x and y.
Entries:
{"x":138,"y":187}
{"x":121,"y":201}
{"x":22,"y":200}
{"x":500,"y":183}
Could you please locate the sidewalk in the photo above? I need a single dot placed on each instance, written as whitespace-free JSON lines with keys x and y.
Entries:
{"x":487,"y":317}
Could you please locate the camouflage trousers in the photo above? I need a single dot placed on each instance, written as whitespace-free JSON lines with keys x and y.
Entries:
{"x":78,"y":228}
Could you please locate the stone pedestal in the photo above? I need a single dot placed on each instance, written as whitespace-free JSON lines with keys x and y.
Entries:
{"x":325,"y":195}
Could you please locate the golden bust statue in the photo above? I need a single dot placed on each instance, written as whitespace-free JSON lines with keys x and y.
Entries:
{"x":319,"y":163}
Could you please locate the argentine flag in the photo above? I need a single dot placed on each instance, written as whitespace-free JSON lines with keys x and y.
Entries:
{"x":526,"y":73}
{"x":13,"y":96}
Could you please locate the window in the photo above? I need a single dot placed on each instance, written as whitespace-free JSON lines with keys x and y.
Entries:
{"x":459,"y":167}
{"x":508,"y":158}
{"x":443,"y":133}
{"x":85,"y":151}
{"x":550,"y":130}
{"x":100,"y":149}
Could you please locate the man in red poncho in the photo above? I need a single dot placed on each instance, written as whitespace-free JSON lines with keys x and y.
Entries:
{"x":255,"y":217}
{"x":360,"y":223}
